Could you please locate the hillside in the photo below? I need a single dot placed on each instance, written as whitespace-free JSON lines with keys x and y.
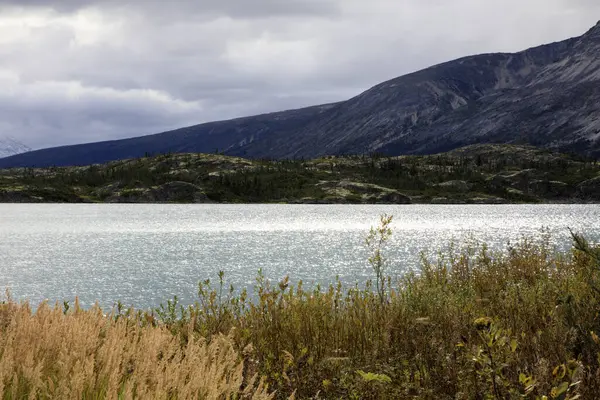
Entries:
{"x":473,"y":174}
{"x":548,"y":96}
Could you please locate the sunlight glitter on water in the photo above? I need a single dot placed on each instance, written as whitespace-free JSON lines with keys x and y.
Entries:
{"x":145,"y":254}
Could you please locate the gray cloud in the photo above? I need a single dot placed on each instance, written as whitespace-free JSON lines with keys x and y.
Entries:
{"x":79,"y":71}
{"x":162,"y":10}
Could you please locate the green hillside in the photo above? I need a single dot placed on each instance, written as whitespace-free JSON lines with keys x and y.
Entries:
{"x":473,"y":174}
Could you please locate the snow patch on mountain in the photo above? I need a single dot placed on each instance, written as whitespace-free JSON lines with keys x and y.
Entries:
{"x":10,"y":146}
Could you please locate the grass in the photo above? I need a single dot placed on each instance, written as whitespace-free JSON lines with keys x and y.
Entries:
{"x":87,"y":355}
{"x":475,"y":324}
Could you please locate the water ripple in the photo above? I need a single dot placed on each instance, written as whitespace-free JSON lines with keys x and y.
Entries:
{"x":145,"y":254}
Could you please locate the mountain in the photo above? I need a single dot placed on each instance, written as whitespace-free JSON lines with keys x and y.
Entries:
{"x":10,"y":146}
{"x":547,"y":96}
{"x":206,"y":138}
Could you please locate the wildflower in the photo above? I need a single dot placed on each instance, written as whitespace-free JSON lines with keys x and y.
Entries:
{"x":482,"y":323}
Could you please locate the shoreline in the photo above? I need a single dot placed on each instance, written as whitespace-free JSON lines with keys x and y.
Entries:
{"x":325,"y":203}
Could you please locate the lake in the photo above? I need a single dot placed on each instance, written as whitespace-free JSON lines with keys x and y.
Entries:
{"x":143,"y":255}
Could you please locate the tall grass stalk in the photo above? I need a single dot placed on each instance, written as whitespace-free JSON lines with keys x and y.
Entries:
{"x":376,"y":241}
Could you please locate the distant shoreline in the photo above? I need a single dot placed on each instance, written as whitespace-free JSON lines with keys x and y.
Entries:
{"x":478,"y":174}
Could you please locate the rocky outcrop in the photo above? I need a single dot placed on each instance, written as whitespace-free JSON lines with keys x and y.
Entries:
{"x":487,"y":200}
{"x":172,"y":192}
{"x":180,"y":192}
{"x":550,"y":189}
{"x":455,"y":186}
{"x":520,"y":180}
{"x":28,"y":194}
{"x":590,"y":189}
{"x":358,"y":192}
{"x":391,"y":197}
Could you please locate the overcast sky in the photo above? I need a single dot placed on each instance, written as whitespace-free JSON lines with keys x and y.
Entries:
{"x":74,"y":71}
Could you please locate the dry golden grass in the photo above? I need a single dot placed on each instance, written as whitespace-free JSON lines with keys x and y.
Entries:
{"x":82,"y":354}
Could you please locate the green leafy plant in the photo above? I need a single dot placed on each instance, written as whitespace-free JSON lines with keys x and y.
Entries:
{"x":376,"y":241}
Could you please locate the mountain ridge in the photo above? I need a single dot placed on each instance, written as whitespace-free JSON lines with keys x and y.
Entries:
{"x":547,"y":96}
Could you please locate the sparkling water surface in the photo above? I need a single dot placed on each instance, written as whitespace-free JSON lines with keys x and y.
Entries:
{"x":143,"y":255}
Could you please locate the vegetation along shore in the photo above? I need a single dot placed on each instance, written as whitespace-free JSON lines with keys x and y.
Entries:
{"x":474,"y":324}
{"x":478,"y":174}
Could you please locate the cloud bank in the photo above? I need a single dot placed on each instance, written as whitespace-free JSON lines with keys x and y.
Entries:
{"x":76,"y":71}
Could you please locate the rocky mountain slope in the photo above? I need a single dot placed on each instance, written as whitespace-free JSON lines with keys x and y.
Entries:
{"x":548,"y":96}
{"x":474,"y":174}
{"x":10,"y":146}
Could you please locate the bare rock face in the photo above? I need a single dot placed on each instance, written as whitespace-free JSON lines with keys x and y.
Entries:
{"x":547,"y":96}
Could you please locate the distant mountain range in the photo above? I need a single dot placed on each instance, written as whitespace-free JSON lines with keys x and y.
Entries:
{"x":10,"y":146}
{"x":547,"y":96}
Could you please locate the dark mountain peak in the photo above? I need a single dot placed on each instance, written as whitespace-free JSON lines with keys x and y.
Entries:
{"x":594,"y":32}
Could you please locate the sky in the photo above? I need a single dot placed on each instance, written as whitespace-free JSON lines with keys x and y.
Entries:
{"x":77,"y":71}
